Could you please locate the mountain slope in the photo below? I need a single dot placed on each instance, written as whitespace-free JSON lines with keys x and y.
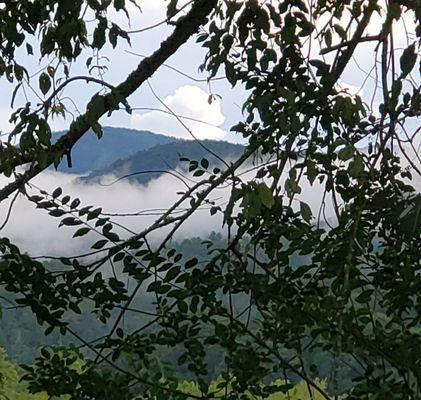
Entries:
{"x":166,"y":157}
{"x":117,"y":143}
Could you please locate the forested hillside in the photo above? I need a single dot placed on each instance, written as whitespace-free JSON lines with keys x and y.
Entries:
{"x":90,"y":153}
{"x":304,"y":282}
{"x":148,"y":164}
{"x":23,"y":338}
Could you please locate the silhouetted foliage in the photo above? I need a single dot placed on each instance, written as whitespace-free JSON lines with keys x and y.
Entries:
{"x":355,"y":294}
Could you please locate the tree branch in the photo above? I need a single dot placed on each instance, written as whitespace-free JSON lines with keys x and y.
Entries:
{"x":344,"y":58}
{"x":99,"y":105}
{"x":350,"y":42}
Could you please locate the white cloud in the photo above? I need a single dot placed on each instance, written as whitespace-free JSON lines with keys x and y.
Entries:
{"x":187,"y":101}
{"x":37,"y":233}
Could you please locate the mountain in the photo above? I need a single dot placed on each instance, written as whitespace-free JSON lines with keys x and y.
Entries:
{"x":90,"y":154}
{"x":148,"y":164}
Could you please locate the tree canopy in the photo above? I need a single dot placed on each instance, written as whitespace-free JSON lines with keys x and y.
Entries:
{"x":353,"y":294}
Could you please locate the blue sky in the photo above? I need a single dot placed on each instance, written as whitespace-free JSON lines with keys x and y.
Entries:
{"x":184,"y":96}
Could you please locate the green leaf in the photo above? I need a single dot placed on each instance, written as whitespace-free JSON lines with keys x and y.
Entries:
{"x":99,"y":244}
{"x":305,"y":211}
{"x":118,"y":257}
{"x":57,"y":213}
{"x":191,"y":263}
{"x":119,"y":332}
{"x":182,"y":306}
{"x":44,"y":83}
{"x":94,"y":214}
{"x":15,"y":91}
{"x":202,"y":37}
{"x":57,"y":192}
{"x":346,"y":153}
{"x":65,"y":199}
{"x":99,"y":36}
{"x":204,"y":163}
{"x":70,"y":221}
{"x":395,"y":10}
{"x":328,"y":38}
{"x":199,"y":172}
{"x":81,"y":232}
{"x":356,"y":166}
{"x":340,"y":31}
{"x":172,"y":273}
{"x":75,"y":203}
{"x":29,"y":49}
{"x":119,"y":4}
{"x":112,"y":236}
{"x":311,"y":171}
{"x":230,"y":73}
{"x":408,"y":60}
{"x":171,"y":8}
{"x":364,"y":297}
{"x":319,"y":64}
{"x":45,"y":353}
{"x":214,"y":210}
{"x":265,"y":195}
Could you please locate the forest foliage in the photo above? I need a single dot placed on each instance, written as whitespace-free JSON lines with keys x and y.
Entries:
{"x":356,"y":293}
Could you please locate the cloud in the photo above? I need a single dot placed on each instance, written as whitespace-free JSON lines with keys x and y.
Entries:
{"x":37,"y":233}
{"x":203,"y":119}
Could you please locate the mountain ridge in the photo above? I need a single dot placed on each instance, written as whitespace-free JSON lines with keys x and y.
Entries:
{"x":145,"y":164}
{"x":91,"y":153}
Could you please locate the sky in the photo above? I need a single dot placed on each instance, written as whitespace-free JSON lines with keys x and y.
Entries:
{"x":167,"y":91}
{"x":186,"y":97}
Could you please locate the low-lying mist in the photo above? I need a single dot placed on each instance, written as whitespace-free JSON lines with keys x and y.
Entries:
{"x":37,"y":233}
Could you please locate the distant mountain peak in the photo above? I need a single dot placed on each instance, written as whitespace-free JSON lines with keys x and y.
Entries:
{"x":147,"y":164}
{"x":91,"y":153}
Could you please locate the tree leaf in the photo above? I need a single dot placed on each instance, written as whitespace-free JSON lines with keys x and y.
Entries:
{"x":57,"y":213}
{"x":44,"y":83}
{"x":266,"y":195}
{"x":408,"y":60}
{"x":81,"y":232}
{"x":305,"y":211}
{"x":57,"y":192}
{"x":99,"y":244}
